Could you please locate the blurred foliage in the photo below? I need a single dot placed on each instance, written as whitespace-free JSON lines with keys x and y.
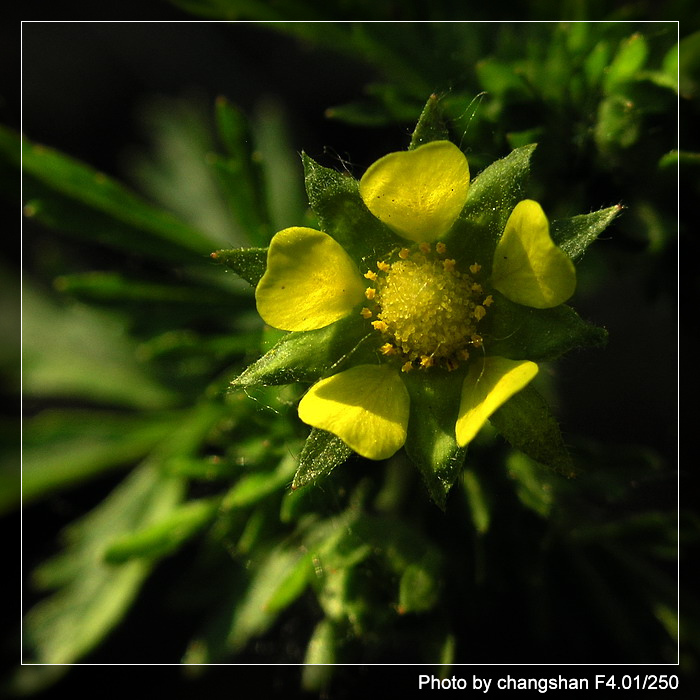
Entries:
{"x":132,"y":334}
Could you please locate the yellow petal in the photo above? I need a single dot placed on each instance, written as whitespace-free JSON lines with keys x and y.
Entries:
{"x":418,"y":193}
{"x":365,"y":406}
{"x":527,"y":267}
{"x":487,"y":386}
{"x":309,"y":283}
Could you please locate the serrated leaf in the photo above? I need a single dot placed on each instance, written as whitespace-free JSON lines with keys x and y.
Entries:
{"x":574,"y":235}
{"x":305,"y":356}
{"x":431,"y":442}
{"x":492,"y":195}
{"x":525,"y":420}
{"x":248,"y":263}
{"x":522,"y":333}
{"x":322,"y":453}
{"x":336,"y":201}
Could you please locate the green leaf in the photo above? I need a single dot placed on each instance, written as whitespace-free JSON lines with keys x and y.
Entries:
{"x":431,"y":443}
{"x":102,"y":286}
{"x":431,"y":125}
{"x":532,"y":487}
{"x":164,"y":536}
{"x":629,"y":59}
{"x":248,"y":263}
{"x":492,"y":195}
{"x":252,"y":488}
{"x":85,"y":345}
{"x":521,"y":333}
{"x":63,"y":448}
{"x":97,"y":191}
{"x":320,"y":657}
{"x":574,"y":235}
{"x":94,"y":596}
{"x":479,"y":506}
{"x":277,"y":581}
{"x":419,"y":586}
{"x":335,"y":199}
{"x":322,"y":453}
{"x":526,"y":421}
{"x":306,"y":356}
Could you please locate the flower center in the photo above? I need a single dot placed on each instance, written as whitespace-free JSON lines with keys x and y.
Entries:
{"x":426,"y":308}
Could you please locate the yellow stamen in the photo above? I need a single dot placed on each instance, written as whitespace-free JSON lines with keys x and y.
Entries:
{"x":387,"y":349}
{"x":477,"y":340}
{"x":426,"y":361}
{"x":479,"y":312}
{"x":406,"y":367}
{"x":449,"y":264}
{"x":366,"y":313}
{"x":404,"y":253}
{"x":424,"y":247}
{"x":476,"y":287}
{"x":383,"y":266}
{"x":440,"y":247}
{"x":380,"y":325}
{"x":370,"y":292}
{"x":370,"y":275}
{"x":474,"y":268}
{"x":488,"y":301}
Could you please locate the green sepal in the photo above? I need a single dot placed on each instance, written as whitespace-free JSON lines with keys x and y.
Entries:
{"x":322,"y":453}
{"x":522,"y":333}
{"x":492,"y":195}
{"x":431,"y":125}
{"x":247,"y":263}
{"x":336,"y":202}
{"x":431,"y":443}
{"x":527,"y":423}
{"x":306,"y":356}
{"x":574,"y":235}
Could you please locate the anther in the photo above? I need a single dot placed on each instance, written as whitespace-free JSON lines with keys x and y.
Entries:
{"x":366,"y":313}
{"x":479,"y":312}
{"x":488,"y":301}
{"x":449,"y":264}
{"x":370,"y":275}
{"x":424,"y":247}
{"x":370,"y":292}
{"x":383,"y":266}
{"x":379,"y":325}
{"x":404,"y":253}
{"x":474,"y":268}
{"x":407,"y":367}
{"x":440,"y":247}
{"x":387,"y":349}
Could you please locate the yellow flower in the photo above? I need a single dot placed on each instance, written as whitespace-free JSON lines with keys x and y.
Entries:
{"x":424,"y":305}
